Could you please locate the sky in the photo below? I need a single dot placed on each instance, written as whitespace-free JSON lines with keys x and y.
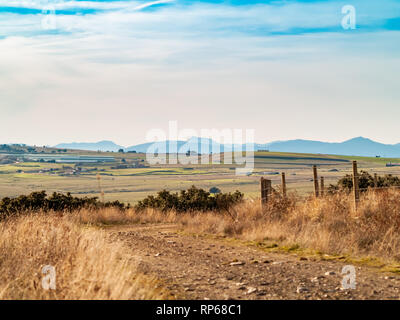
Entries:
{"x":74,"y":71}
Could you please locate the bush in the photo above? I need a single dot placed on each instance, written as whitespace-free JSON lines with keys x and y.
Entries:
{"x":193,"y":199}
{"x":38,"y":201}
{"x":365,"y":181}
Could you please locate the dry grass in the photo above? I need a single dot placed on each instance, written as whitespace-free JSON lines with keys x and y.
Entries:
{"x":87,"y":265}
{"x":328,"y":224}
{"x":112,"y":216}
{"x":90,"y":267}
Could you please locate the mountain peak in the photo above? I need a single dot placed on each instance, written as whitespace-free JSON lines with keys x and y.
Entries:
{"x":359,"y":140}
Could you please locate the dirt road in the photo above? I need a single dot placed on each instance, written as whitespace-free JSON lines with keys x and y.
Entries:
{"x":202,"y":268}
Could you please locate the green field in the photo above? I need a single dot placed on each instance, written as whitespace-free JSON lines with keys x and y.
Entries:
{"x":133,"y":184}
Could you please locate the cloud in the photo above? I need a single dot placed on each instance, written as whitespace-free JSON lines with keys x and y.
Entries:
{"x":262,"y":19}
{"x":123,"y":69}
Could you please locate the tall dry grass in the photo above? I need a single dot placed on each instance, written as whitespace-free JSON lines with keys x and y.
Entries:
{"x":87,"y":265}
{"x":329,"y":224}
{"x":113,"y":216}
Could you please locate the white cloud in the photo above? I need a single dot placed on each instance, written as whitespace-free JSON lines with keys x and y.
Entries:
{"x":125,"y":17}
{"x":115,"y":75}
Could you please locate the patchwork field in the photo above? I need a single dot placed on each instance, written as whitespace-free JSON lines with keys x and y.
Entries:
{"x":120,"y":181}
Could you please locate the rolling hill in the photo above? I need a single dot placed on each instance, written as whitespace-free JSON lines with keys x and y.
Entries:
{"x":357,"y":146}
{"x":354,"y":147}
{"x":104,"y":145}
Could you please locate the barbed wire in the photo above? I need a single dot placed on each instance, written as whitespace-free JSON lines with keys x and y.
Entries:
{"x":309,"y":195}
{"x":328,"y":190}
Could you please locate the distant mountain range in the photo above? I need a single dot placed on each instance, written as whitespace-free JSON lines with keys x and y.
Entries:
{"x":91,"y":146}
{"x":354,"y":147}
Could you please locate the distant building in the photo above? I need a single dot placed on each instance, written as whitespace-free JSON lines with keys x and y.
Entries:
{"x":191,"y":153}
{"x":391,"y":164}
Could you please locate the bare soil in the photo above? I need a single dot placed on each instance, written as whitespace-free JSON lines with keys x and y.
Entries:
{"x":202,"y":268}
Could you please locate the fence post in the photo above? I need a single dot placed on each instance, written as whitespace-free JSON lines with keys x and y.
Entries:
{"x":262,"y":188}
{"x":265,"y":185}
{"x":316,"y":188}
{"x":269,"y":188}
{"x":283,"y":184}
{"x":322,"y":187}
{"x":375,"y":180}
{"x":100,"y":188}
{"x":355,"y":185}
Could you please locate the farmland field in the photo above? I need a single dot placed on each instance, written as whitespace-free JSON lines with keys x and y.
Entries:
{"x":130,"y":184}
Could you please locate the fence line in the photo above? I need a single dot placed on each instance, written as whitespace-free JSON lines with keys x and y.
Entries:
{"x":319,"y":189}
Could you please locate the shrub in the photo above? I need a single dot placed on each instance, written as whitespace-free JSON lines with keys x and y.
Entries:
{"x":193,"y":199}
{"x":365,"y":181}
{"x":38,"y":201}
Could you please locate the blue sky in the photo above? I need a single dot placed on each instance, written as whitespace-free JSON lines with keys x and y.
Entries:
{"x":117,"y":69}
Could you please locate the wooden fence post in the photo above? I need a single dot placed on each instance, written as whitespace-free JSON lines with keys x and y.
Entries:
{"x":283,"y":184}
{"x":355,"y":185}
{"x":269,"y":188}
{"x":322,"y":187}
{"x":375,"y":180}
{"x":100,"y":188}
{"x":316,"y":188}
{"x":263,"y":197}
{"x":265,"y":185}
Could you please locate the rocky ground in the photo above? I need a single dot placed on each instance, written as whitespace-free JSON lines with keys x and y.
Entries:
{"x":193,"y":267}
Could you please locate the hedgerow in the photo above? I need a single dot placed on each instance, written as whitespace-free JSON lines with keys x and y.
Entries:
{"x":39,"y":201}
{"x":365,"y":181}
{"x":193,"y":199}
